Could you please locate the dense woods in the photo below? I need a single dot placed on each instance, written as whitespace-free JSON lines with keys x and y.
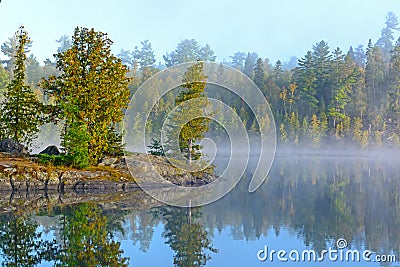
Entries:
{"x":328,"y":97}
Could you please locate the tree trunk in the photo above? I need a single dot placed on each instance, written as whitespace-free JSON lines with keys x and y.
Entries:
{"x":190,"y":146}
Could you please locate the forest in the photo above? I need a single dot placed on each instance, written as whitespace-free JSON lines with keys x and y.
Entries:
{"x":328,"y":97}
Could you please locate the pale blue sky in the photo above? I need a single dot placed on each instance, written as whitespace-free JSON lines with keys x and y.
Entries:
{"x":275,"y":29}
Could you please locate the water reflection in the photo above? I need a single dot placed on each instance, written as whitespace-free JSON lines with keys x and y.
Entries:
{"x":186,"y":236}
{"x":315,"y":200}
{"x":320,"y":199}
{"x":21,"y":244}
{"x":84,"y":237}
{"x":87,"y":239}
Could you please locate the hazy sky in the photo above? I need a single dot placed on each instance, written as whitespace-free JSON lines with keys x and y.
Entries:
{"x":275,"y":29}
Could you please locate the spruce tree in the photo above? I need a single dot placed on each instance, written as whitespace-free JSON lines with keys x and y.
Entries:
{"x":21,"y":109}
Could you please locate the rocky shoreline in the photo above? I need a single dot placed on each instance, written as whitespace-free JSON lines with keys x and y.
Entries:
{"x":111,"y":175}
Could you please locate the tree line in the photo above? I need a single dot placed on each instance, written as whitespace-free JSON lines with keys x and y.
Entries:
{"x":327,"y":96}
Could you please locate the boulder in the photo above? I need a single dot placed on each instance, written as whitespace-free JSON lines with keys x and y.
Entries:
{"x":12,"y":147}
{"x":108,"y":161}
{"x":51,"y":150}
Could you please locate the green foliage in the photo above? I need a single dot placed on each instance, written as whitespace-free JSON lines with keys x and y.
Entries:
{"x":21,"y":111}
{"x":189,"y":50}
{"x":90,"y":86}
{"x":283,"y":134}
{"x":145,"y":56}
{"x":76,"y":143}
{"x":192,"y":131}
{"x":115,"y":146}
{"x":55,"y":160}
{"x":89,"y":94}
{"x":21,"y":243}
{"x":87,"y":240}
{"x":186,"y":237}
{"x":9,"y":49}
{"x":315,"y":131}
{"x":4,"y":80}
{"x":259,"y":74}
{"x":156,"y":148}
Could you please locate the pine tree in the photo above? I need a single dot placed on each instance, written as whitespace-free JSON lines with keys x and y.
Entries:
{"x":249,"y":64}
{"x":259,"y":74}
{"x":393,"y":94}
{"x":187,"y":50}
{"x":9,"y":48}
{"x":374,"y":77}
{"x":305,"y":77}
{"x":22,"y":113}
{"x":145,"y":56}
{"x":321,"y":62}
{"x":65,"y":44}
{"x":238,"y":60}
{"x":294,"y":127}
{"x":192,"y":131}
{"x":385,"y":43}
{"x":207,"y":54}
{"x":91,"y":91}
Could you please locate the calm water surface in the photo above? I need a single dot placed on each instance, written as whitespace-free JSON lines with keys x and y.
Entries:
{"x":308,"y":203}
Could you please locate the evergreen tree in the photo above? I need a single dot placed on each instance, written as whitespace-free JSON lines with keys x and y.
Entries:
{"x":321,"y":62}
{"x":21,"y":243}
{"x":188,"y":50}
{"x":91,"y":91}
{"x":127,"y":60}
{"x":64,"y":44}
{"x":340,"y":82}
{"x":393,"y":94}
{"x":237,"y":60}
{"x":21,"y":110}
{"x":207,"y":54}
{"x":249,"y":64}
{"x":34,"y":72}
{"x":387,"y":38}
{"x":374,"y":77}
{"x":188,"y":239}
{"x":358,"y":55}
{"x":4,"y":80}
{"x":145,"y":56}
{"x":259,"y":74}
{"x":193,"y":130}
{"x":278,"y":74}
{"x":305,"y":77}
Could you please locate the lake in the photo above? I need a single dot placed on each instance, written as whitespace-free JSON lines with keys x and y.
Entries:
{"x":312,"y":211}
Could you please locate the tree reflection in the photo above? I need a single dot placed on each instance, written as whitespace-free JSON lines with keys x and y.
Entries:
{"x":186,"y":237}
{"x":87,"y":240}
{"x":321,"y":199}
{"x":141,"y":228}
{"x":21,"y":243}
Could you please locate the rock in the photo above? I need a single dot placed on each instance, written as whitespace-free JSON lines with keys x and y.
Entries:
{"x":12,"y":147}
{"x":107,"y":161}
{"x":51,"y":150}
